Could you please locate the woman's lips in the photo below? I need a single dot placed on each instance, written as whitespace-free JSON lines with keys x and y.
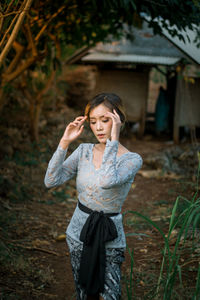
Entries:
{"x":101,"y":135}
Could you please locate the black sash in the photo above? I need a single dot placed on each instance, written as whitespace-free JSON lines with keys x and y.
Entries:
{"x":97,"y":230}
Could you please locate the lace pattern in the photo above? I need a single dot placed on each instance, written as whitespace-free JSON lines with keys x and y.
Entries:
{"x":103,"y":189}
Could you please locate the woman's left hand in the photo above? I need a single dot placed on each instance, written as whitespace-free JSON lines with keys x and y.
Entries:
{"x":116,"y":124}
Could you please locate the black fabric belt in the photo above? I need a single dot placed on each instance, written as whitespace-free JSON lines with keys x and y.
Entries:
{"x":97,"y":230}
{"x":88,"y":210}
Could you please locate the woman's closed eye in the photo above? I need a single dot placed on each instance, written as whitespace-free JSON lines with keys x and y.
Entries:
{"x":104,"y":121}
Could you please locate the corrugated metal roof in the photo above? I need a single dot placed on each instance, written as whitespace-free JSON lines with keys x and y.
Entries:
{"x":188,"y":47}
{"x":145,"y":47}
{"x":130,"y":58}
{"x":143,"y":42}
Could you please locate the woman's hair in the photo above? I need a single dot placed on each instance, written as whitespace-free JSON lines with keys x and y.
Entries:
{"x":110,"y":100}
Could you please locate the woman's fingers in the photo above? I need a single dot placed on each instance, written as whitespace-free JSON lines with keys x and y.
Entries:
{"x":108,"y":113}
{"x":75,"y":128}
{"x":81,"y":129}
{"x":114,"y":116}
{"x":72,"y":124}
{"x":77,"y":122}
{"x":80,"y":120}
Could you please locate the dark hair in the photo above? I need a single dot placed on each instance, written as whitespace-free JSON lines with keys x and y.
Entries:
{"x":112,"y":101}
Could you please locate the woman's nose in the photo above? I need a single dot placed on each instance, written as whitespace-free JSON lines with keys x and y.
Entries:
{"x":99,"y":126}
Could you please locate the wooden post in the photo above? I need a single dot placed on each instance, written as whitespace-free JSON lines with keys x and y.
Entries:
{"x":177,"y":111}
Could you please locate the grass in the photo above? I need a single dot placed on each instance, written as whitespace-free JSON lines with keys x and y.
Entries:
{"x":179,"y":253}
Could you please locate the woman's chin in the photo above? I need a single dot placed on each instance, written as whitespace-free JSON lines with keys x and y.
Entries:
{"x":102,"y":140}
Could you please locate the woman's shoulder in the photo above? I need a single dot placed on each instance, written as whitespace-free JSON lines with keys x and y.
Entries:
{"x":123,"y":151}
{"x":131,"y":161}
{"x":130,"y":157}
{"x":137,"y":156}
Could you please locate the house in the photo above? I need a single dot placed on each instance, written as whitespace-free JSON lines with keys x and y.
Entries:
{"x":124,"y":67}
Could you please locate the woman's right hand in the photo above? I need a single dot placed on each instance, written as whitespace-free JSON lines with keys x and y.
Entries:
{"x":72,"y":131}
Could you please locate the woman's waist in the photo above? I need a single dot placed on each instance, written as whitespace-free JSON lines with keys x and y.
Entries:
{"x":105,"y":205}
{"x":79,"y":218}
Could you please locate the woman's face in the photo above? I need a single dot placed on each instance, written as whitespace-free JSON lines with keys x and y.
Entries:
{"x":100,"y":125}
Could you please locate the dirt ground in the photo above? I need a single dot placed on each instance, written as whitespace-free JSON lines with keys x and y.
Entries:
{"x":151,"y":197}
{"x":35,"y":260}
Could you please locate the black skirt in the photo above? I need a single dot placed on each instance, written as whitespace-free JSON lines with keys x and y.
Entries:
{"x":114,"y":259}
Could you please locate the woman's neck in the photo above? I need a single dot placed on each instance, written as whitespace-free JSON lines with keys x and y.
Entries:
{"x":100,"y":147}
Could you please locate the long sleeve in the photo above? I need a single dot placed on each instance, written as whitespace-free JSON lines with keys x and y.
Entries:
{"x":60,"y":170}
{"x":113,"y":174}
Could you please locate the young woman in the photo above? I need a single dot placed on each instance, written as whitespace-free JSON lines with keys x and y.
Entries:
{"x":104,"y":174}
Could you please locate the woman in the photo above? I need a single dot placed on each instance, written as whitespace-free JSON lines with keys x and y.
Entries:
{"x":104,"y":174}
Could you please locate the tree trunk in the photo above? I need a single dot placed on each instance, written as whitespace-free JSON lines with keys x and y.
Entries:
{"x":2,"y":96}
{"x":36,"y":108}
{"x":35,"y":112}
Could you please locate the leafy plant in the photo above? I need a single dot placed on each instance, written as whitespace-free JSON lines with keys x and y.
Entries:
{"x":171,"y":269}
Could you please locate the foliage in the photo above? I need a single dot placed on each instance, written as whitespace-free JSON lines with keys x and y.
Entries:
{"x":51,"y":25}
{"x":38,"y":36}
{"x":172,"y":269}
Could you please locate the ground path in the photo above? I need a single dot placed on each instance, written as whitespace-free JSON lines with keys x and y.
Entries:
{"x":148,"y":196}
{"x":43,"y":269}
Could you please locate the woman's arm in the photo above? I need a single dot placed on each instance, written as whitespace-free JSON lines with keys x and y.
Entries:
{"x":60,"y":171}
{"x":112,"y":175}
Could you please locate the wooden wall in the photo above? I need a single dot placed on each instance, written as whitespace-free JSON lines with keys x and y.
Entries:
{"x":187,"y":105}
{"x":131,"y":86}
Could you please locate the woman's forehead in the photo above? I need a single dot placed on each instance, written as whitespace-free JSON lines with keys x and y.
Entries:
{"x":99,"y":111}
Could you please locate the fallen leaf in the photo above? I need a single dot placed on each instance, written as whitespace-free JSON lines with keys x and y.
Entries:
{"x":38,"y":243}
{"x":151,"y":173}
{"x":133,"y":186}
{"x":144,"y":250}
{"x":142,"y":283}
{"x":61,"y":237}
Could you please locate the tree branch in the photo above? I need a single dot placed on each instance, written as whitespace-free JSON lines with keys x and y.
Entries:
{"x":30,"y":39}
{"x":20,"y":69}
{"x":15,"y":12}
{"x":46,"y":88}
{"x":155,"y":3}
{"x":15,"y":30}
{"x":19,"y":51}
{"x":7,"y":31}
{"x":1,"y":19}
{"x":57,"y":44}
{"x":37,"y":249}
{"x":47,"y":23}
{"x":9,"y":5}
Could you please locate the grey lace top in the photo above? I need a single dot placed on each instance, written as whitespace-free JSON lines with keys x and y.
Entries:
{"x":103,"y":189}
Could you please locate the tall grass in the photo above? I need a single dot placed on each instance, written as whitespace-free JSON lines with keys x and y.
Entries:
{"x":171,"y":271}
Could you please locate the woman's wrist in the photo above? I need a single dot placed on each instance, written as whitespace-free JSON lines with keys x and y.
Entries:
{"x":115,"y":137}
{"x":64,"y":144}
